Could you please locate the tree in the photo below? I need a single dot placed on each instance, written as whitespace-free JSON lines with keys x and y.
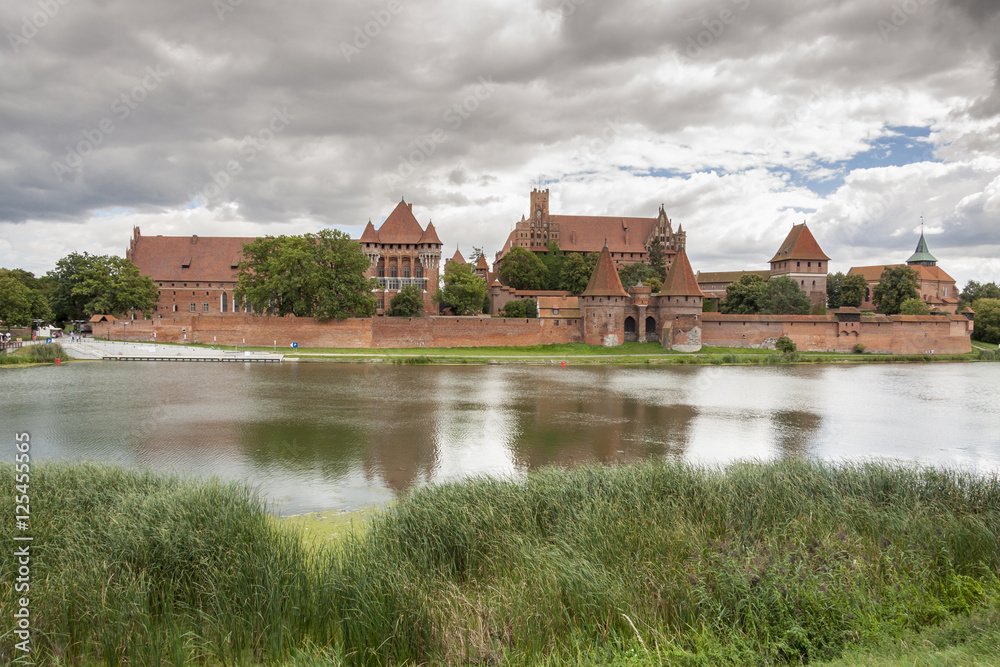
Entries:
{"x":785,"y":345}
{"x":476,"y":254}
{"x":633,"y":274}
{"x":408,"y":302}
{"x":833,"y":286}
{"x":895,"y":285}
{"x":746,"y":296}
{"x":522,"y":269}
{"x":314,"y":275}
{"x":576,"y":271}
{"x":914,"y":307}
{"x":520,"y":308}
{"x":89,"y":284}
{"x":987,"y":322}
{"x":15,"y":303}
{"x":783,"y":296}
{"x":655,"y":259}
{"x":37,"y":293}
{"x":974,"y":291}
{"x":853,"y":290}
{"x":553,"y":261}
{"x":463,"y":290}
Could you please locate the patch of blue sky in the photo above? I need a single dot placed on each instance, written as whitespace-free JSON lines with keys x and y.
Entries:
{"x":898,"y":146}
{"x":113,"y":212}
{"x":656,"y":173}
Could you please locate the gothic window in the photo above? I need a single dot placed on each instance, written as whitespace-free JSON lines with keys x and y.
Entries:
{"x":420,"y":272}
{"x":392,"y":272}
{"x":381,"y":272}
{"x":406,"y":272}
{"x":225,"y":303}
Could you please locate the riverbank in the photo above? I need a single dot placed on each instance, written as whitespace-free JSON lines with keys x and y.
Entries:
{"x":578,"y":353}
{"x":658,"y":562}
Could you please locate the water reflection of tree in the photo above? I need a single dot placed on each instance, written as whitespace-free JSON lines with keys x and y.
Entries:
{"x":794,"y":430}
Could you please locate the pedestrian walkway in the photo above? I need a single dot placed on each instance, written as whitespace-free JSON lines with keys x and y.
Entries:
{"x":90,"y":348}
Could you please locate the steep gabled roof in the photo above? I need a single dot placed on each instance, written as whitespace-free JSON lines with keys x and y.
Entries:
{"x":369,"y":235}
{"x":481,"y":263}
{"x":430,"y":235}
{"x":400,"y":226}
{"x":680,"y":279}
{"x":604,"y":281}
{"x":921,"y":254}
{"x":457,"y":257}
{"x":799,"y":244}
{"x":189,"y":258}
{"x":586,"y":233}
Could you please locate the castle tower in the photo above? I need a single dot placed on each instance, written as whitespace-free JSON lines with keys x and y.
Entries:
{"x":603,"y":304}
{"x":801,"y":259}
{"x":922,"y":256}
{"x":679,"y":307}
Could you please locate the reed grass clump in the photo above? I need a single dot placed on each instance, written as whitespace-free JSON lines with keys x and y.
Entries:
{"x":42,"y":353}
{"x":661,"y":562}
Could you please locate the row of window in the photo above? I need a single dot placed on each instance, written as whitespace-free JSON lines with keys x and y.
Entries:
{"x":393,"y":272}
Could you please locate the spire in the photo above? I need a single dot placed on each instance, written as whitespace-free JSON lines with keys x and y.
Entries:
{"x":605,"y":281}
{"x":922,"y":255}
{"x":681,"y":280}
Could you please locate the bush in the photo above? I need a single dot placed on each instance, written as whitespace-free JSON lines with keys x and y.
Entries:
{"x":818,"y":309}
{"x":859,"y":348}
{"x":785,"y":345}
{"x":520,"y":308}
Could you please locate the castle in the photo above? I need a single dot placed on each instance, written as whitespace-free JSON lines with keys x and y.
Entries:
{"x":196,"y":277}
{"x":628,"y":238}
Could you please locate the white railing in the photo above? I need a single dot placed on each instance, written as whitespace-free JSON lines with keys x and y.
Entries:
{"x":400,"y":283}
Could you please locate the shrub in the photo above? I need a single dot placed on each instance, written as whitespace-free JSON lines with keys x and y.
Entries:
{"x":520,"y":308}
{"x":859,"y":348}
{"x":785,"y":345}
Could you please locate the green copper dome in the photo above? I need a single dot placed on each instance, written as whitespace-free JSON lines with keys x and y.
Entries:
{"x":922,"y":254}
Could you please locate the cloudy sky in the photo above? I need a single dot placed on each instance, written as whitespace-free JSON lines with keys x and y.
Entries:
{"x":742,"y":117}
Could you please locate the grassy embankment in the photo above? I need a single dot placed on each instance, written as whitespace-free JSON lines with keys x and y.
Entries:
{"x":42,"y":353}
{"x":659,"y":562}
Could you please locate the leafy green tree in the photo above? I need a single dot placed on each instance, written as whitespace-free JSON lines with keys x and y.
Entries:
{"x":553,"y":261}
{"x":895,"y":285}
{"x":834,"y":281}
{"x":476,"y":254}
{"x":38,"y":289}
{"x":853,"y":290}
{"x":15,"y":303}
{"x":522,"y":269}
{"x":987,"y":322}
{"x":463,"y":290}
{"x":89,"y":284}
{"x":314,"y":275}
{"x":746,"y":296}
{"x":783,"y":296}
{"x":576,"y":271}
{"x":408,"y":302}
{"x":655,"y":259}
{"x":633,"y":274}
{"x":914,"y":307}
{"x":520,"y":308}
{"x":785,"y":345}
{"x":975,"y":290}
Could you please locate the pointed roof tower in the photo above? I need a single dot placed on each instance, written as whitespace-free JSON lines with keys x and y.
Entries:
{"x":922,"y":256}
{"x":457,"y":257}
{"x":430,"y":235}
{"x":605,"y":281}
{"x":481,"y":264}
{"x":799,"y":244}
{"x":370,"y":235}
{"x":401,"y":226}
{"x":681,"y":280}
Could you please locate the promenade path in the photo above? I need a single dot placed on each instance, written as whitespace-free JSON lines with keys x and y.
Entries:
{"x":91,"y":348}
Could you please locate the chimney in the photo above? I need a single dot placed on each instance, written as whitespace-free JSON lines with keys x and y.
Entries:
{"x":409,"y":206}
{"x":194,"y":239}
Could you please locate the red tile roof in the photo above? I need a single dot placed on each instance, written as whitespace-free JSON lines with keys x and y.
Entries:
{"x":680,"y":279}
{"x":926,"y":273}
{"x":604,"y":281}
{"x":430,"y":235}
{"x":457,"y":257}
{"x":799,"y":244}
{"x":207,"y":258}
{"x":705,"y":277}
{"x":370,"y":235}
{"x":481,"y":263}
{"x":400,"y":226}
{"x":588,"y":233}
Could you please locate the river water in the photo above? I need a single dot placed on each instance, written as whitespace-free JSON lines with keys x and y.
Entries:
{"x":316,"y":436}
